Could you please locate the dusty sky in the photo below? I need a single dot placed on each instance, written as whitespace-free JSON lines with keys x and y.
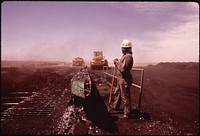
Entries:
{"x":159,"y":31}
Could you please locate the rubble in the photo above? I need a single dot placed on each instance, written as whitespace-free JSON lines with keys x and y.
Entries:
{"x":52,"y":92}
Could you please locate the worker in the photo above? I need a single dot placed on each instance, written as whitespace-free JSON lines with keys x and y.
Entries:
{"x":124,"y":79}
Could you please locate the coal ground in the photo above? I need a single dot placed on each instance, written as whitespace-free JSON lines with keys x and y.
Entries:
{"x":169,"y":106}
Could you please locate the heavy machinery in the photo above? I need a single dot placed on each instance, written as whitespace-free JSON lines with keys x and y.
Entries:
{"x":81,"y":87}
{"x":98,"y":61}
{"x":81,"y":83}
{"x":78,"y":61}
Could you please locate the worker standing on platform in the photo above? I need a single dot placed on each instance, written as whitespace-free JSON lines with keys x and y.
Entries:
{"x":124,"y":79}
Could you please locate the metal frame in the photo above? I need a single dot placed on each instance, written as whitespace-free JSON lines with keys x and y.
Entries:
{"x":140,"y":86}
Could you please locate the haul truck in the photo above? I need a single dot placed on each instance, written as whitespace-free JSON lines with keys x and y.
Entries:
{"x":78,"y":61}
{"x":98,"y":61}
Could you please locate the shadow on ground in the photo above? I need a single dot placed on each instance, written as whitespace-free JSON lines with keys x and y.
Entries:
{"x":96,"y":111}
{"x":135,"y":114}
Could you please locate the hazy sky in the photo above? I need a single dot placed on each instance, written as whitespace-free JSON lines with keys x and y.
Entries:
{"x":159,"y":31}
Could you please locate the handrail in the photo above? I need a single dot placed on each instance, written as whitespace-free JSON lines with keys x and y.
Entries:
{"x":140,"y":86}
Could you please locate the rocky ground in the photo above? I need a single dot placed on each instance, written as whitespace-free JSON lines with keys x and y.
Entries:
{"x":169,"y":106}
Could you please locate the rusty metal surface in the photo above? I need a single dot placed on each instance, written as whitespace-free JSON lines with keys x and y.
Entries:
{"x":81,"y":83}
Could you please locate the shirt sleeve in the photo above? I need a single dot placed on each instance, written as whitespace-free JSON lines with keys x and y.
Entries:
{"x":122,"y":65}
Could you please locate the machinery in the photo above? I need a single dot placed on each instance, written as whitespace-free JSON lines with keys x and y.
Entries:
{"x":98,"y":61}
{"x":81,"y":84}
{"x":78,"y":61}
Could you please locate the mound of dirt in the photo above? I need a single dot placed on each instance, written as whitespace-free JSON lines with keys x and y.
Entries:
{"x":178,"y":65}
{"x":169,"y":104}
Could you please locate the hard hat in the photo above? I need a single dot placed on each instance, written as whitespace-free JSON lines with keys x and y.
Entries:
{"x":126,"y":44}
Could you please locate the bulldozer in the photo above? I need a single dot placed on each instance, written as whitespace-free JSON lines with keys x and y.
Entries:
{"x":98,"y":61}
{"x":78,"y":61}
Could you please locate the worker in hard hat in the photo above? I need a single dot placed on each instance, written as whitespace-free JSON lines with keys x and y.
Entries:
{"x":124,"y":79}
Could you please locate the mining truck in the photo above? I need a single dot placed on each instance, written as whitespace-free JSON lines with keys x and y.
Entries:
{"x":78,"y":61}
{"x":98,"y":61}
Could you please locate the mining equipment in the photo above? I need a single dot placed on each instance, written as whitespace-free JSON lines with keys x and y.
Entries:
{"x":78,"y":61}
{"x":98,"y":61}
{"x":81,"y":85}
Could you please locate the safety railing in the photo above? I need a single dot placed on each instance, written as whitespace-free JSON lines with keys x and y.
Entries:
{"x":109,"y":71}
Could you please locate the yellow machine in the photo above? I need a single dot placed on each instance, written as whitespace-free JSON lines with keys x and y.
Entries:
{"x":98,"y":61}
{"x":78,"y":61}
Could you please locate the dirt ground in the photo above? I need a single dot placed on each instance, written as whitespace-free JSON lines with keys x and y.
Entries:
{"x":171,"y":97}
{"x":169,"y":105}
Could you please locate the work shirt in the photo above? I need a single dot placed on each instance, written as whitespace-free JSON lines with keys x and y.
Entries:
{"x":124,"y":67}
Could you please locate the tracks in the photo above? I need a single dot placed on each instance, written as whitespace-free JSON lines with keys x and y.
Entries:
{"x":36,"y":105}
{"x":44,"y":101}
{"x":45,"y":110}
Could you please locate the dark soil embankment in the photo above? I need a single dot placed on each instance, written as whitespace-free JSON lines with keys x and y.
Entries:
{"x":169,"y":106}
{"x":171,"y":94}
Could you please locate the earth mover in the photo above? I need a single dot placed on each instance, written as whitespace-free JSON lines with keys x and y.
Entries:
{"x":98,"y":61}
{"x":78,"y":61}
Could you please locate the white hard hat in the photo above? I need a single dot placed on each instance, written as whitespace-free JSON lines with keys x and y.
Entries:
{"x":126,"y":44}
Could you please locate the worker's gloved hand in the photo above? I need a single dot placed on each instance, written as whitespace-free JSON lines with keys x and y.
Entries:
{"x":115,"y":61}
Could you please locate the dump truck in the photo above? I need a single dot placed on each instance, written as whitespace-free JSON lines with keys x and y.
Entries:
{"x":78,"y":61}
{"x":98,"y":61}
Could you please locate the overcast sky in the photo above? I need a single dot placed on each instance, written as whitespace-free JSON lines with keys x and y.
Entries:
{"x":159,"y":31}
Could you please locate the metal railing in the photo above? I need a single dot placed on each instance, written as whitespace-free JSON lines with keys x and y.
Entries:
{"x":109,"y":71}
